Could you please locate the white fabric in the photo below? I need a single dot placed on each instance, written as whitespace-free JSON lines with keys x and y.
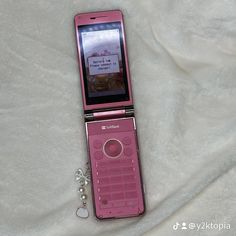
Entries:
{"x":183,"y":64}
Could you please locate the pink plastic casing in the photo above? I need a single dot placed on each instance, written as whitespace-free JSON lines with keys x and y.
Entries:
{"x":102,"y":17}
{"x":116,"y":181}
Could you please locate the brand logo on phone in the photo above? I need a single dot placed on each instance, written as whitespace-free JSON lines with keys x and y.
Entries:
{"x":104,"y":127}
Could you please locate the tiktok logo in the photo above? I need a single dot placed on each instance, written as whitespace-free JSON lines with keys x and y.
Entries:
{"x":176,"y":226}
{"x":182,"y":226}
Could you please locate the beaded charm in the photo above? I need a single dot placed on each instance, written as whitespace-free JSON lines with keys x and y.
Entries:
{"x":83,"y":178}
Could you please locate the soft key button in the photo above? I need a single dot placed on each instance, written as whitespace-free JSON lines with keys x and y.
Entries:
{"x":98,"y":155}
{"x":126,"y":141}
{"x":97,"y":144}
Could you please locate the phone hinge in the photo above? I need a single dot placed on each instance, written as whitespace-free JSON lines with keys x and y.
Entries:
{"x":129,"y":112}
{"x":88,"y":116}
{"x":109,"y":114}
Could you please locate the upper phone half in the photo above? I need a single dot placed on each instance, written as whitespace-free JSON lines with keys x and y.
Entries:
{"x":103,"y":60}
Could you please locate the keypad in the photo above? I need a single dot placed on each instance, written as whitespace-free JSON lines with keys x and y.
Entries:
{"x":116,"y":186}
{"x":116,"y":181}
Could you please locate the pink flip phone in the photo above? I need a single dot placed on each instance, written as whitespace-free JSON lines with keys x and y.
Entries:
{"x":109,"y":115}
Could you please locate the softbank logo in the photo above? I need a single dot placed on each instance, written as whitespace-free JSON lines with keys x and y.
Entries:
{"x":104,"y":127}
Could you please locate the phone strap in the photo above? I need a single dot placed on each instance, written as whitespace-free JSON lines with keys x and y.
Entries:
{"x":83,"y":179}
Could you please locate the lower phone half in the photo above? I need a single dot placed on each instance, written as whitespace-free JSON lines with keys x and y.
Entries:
{"x":115,"y":168}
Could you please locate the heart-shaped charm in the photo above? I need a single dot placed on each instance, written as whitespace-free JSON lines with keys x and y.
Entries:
{"x":82,"y":212}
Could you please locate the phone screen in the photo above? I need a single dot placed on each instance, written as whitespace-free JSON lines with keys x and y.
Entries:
{"x":103,"y":62}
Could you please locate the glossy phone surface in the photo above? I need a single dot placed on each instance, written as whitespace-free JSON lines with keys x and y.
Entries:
{"x":109,"y":115}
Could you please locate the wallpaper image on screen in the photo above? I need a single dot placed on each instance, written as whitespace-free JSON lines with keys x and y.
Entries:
{"x":103,"y":62}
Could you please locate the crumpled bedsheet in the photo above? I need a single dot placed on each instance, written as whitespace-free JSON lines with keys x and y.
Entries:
{"x":182,"y":58}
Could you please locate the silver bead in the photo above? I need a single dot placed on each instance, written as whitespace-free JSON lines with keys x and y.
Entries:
{"x":83,"y":197}
{"x":81,"y":189}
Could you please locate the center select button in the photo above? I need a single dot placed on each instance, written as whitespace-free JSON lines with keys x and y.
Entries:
{"x":113,"y":148}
